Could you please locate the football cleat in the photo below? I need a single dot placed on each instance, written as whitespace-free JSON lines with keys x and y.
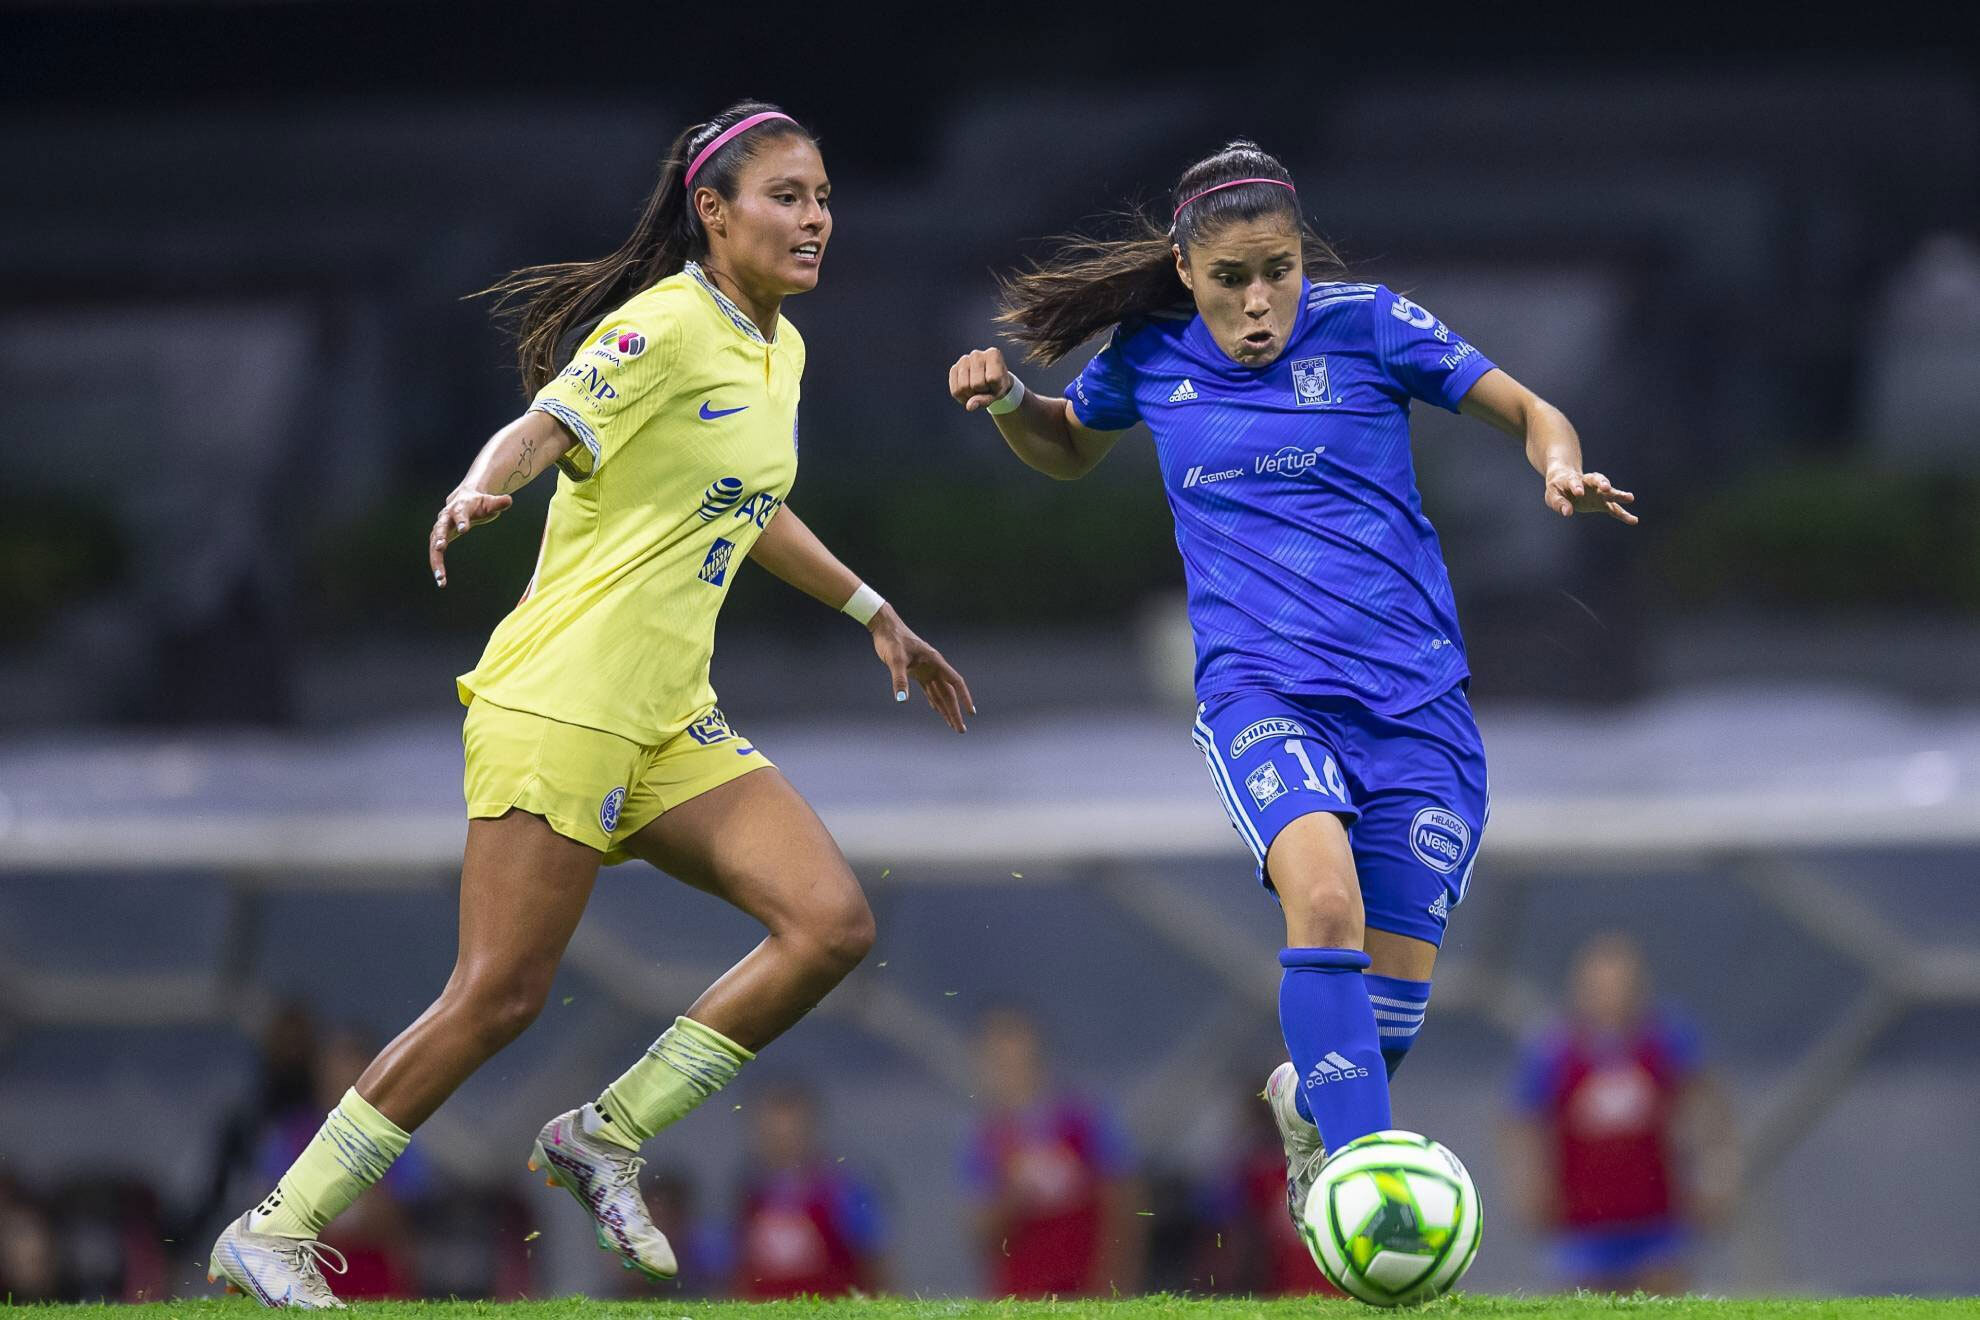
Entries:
{"x":604,"y":1178}
{"x":275,"y":1270}
{"x":1305,"y":1152}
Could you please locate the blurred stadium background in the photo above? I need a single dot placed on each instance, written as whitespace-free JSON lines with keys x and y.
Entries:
{"x":237,"y":374}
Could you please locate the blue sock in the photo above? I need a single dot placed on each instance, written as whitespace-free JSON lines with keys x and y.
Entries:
{"x":1399,"y":1009}
{"x":1329,"y":1027}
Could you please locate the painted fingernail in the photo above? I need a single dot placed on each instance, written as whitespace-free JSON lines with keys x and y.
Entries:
{"x":900,"y":696}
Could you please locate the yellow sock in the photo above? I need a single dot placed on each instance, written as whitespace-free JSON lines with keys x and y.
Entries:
{"x":351,"y":1151}
{"x":685,"y":1066}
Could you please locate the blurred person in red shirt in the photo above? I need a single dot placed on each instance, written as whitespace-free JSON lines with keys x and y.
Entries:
{"x":1052,"y":1177}
{"x":807,"y":1225}
{"x":1621,"y":1144}
{"x":1256,"y":1249}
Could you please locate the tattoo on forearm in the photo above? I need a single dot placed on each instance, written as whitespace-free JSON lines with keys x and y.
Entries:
{"x":520,"y":475}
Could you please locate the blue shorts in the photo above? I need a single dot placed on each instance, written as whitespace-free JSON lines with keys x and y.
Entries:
{"x":1590,"y":1257}
{"x":1410,"y":788}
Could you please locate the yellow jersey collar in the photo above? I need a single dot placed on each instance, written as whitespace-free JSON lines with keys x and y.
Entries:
{"x":728,"y":306}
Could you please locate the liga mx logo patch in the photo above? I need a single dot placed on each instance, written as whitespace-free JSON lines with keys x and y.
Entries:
{"x":608,"y":810}
{"x":1439,"y":838}
{"x":629,"y":342}
{"x":1311,"y":386}
{"x":716,"y":566}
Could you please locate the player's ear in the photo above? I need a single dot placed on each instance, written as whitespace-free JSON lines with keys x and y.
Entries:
{"x":1182,"y":266}
{"x":708,"y":206}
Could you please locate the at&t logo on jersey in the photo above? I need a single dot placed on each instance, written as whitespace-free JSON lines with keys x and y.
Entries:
{"x":716,"y":567}
{"x":1439,"y":838}
{"x":1276,"y":727}
{"x":608,"y":810}
{"x":1311,"y":386}
{"x":721,"y":496}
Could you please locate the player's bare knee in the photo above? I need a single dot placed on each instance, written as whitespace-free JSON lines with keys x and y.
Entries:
{"x":1321,"y":912}
{"x":497,"y":1010}
{"x":839,"y":933}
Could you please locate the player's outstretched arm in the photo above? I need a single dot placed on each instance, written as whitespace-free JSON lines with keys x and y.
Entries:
{"x":513,"y":457}
{"x":1041,"y":430}
{"x":792,"y":552}
{"x":1552,"y":446}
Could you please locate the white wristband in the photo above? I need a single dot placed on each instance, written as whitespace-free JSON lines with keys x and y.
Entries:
{"x":865,"y":603}
{"x":1010,"y":401}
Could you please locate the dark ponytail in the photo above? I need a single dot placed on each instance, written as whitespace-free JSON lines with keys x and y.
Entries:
{"x":543,"y":304}
{"x":1088,"y":284}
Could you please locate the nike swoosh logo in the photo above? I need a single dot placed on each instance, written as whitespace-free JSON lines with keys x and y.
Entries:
{"x":710,"y":414}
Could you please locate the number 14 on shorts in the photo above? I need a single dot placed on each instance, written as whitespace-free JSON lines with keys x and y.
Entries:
{"x":1333,"y":782}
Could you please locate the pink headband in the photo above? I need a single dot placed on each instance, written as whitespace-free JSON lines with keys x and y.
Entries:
{"x":740,"y":126}
{"x":1232,"y":184}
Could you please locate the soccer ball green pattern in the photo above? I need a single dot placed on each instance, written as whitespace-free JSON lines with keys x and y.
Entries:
{"x":1392,"y":1219}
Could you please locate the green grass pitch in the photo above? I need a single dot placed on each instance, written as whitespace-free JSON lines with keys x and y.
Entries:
{"x":1454,"y":1307}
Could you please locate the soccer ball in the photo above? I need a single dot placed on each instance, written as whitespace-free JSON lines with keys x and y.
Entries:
{"x":1392,"y":1219}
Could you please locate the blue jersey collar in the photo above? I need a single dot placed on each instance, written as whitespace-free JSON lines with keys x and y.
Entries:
{"x":1199,"y":341}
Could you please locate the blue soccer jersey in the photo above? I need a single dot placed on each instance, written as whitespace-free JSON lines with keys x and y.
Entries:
{"x":1310,"y":566}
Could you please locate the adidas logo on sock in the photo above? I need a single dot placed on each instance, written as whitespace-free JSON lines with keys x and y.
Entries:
{"x":1183,"y":393}
{"x":1333,"y":1068}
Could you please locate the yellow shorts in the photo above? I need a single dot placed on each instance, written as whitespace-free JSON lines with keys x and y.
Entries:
{"x":594,"y":787}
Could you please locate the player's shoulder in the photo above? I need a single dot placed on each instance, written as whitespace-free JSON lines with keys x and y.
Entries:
{"x":1142,"y":339}
{"x":664,"y":306}
{"x":1345,"y":306}
{"x":649,"y":324}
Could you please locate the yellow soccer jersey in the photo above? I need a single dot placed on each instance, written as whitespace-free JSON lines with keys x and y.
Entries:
{"x":686,"y":426}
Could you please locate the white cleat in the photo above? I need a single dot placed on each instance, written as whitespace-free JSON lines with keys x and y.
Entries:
{"x":1305,"y":1152}
{"x":604,"y":1177}
{"x":275,"y":1270}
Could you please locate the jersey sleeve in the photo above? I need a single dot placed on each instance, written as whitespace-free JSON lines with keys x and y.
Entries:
{"x":612,"y":386}
{"x":1421,"y":354}
{"x":1102,"y":393}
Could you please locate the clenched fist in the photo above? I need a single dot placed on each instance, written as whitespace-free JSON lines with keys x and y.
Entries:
{"x":980,"y":378}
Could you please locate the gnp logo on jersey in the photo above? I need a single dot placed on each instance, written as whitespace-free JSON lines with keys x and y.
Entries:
{"x":608,"y":810}
{"x":1276,"y":727}
{"x":1334,"y":1068}
{"x":1439,"y":839}
{"x":719,"y":498}
{"x":716,"y":566}
{"x":1265,"y":785}
{"x":1311,"y":387}
{"x":711,"y":728}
